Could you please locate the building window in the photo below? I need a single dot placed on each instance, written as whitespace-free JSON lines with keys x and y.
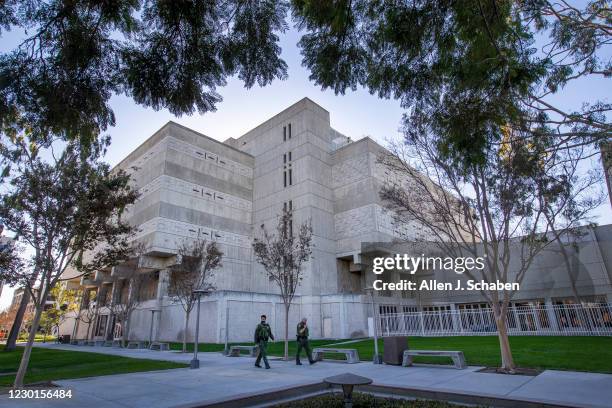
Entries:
{"x":286,"y":132}
{"x":287,"y":171}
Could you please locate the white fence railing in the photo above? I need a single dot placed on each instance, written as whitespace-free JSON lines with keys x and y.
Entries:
{"x":558,"y":320}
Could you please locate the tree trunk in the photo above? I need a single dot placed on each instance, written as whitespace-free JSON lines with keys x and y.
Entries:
{"x":92,"y":323}
{"x":507,"y":363}
{"x":287,"y":331}
{"x":185,"y":332}
{"x":126,"y":330}
{"x":75,"y":328}
{"x":25,"y":358}
{"x":11,"y":341}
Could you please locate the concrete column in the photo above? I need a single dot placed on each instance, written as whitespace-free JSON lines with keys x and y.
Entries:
{"x":113,"y":299}
{"x":221,"y":305}
{"x":162,"y":290}
{"x":343,"y":324}
{"x":456,"y":318}
{"x":162,"y":284}
{"x":552,"y":317}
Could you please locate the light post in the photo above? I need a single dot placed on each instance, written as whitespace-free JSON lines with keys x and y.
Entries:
{"x":195,"y":363}
{"x":151,"y":327}
{"x":377,"y":357}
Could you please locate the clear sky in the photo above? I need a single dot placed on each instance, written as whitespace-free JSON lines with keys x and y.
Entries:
{"x":355,"y":114}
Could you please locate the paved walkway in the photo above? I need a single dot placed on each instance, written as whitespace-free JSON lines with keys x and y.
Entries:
{"x":222,"y":377}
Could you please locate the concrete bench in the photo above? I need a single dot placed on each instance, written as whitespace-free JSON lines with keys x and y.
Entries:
{"x":116,"y":343}
{"x":351,"y":354}
{"x":457,"y":356}
{"x":136,"y":345}
{"x":91,"y":343}
{"x":74,"y":342}
{"x":108,"y":343}
{"x":159,"y":346}
{"x":99,"y":343}
{"x":235,"y":351}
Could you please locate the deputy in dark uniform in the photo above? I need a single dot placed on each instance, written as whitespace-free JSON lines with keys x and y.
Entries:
{"x":302,"y":342}
{"x":263,"y":332}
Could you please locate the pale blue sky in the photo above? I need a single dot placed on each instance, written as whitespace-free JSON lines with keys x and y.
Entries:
{"x":355,"y":114}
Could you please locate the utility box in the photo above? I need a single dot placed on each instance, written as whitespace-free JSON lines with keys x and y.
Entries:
{"x":394,"y":349}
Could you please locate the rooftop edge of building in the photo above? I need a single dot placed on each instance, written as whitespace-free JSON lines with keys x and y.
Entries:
{"x":302,"y":104}
{"x":156,"y":137}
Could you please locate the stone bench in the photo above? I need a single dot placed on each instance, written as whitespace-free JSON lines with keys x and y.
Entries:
{"x":99,"y":343}
{"x":351,"y":354}
{"x":74,"y":342}
{"x":159,"y":346}
{"x":116,"y":343}
{"x":457,"y":356}
{"x":234,"y":351}
{"x":91,"y":343}
{"x":136,"y":345}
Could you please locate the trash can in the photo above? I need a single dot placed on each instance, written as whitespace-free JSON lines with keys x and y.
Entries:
{"x":394,"y":349}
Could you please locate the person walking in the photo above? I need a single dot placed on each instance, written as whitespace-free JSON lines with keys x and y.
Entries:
{"x":302,"y":342}
{"x":263,"y":332}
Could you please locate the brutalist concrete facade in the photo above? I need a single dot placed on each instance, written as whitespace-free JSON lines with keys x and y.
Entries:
{"x":194,"y":186}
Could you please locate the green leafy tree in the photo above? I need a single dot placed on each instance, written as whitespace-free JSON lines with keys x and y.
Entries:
{"x":63,"y":202}
{"x":65,"y":302}
{"x":468,"y":69}
{"x":163,"y":54}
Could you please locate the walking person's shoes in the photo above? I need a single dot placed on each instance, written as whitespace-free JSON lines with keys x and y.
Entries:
{"x":267,"y":367}
{"x":298,"y":363}
{"x":312,"y":362}
{"x":257,"y":365}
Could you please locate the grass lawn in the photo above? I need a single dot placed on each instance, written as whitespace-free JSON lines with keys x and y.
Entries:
{"x":274,"y":348}
{"x":541,"y":352}
{"x":48,"y":365}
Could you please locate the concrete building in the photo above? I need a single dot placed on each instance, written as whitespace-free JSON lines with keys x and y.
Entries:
{"x":194,"y":186}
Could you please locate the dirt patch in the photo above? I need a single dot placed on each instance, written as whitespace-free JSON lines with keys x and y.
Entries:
{"x":532,"y":372}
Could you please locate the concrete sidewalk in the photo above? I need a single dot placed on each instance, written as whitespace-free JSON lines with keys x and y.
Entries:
{"x":221,"y":377}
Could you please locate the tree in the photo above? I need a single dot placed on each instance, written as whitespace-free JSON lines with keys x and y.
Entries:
{"x":64,"y":303}
{"x":163,"y":54}
{"x":499,"y":208}
{"x":88,"y":310}
{"x":471,"y":68}
{"x":66,"y":205}
{"x":129,"y":286}
{"x":10,"y":261}
{"x":48,"y":321}
{"x":199,"y":260}
{"x":7,"y":317}
{"x":282,"y":256}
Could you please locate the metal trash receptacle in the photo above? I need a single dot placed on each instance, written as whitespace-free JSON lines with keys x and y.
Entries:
{"x":394,"y":348}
